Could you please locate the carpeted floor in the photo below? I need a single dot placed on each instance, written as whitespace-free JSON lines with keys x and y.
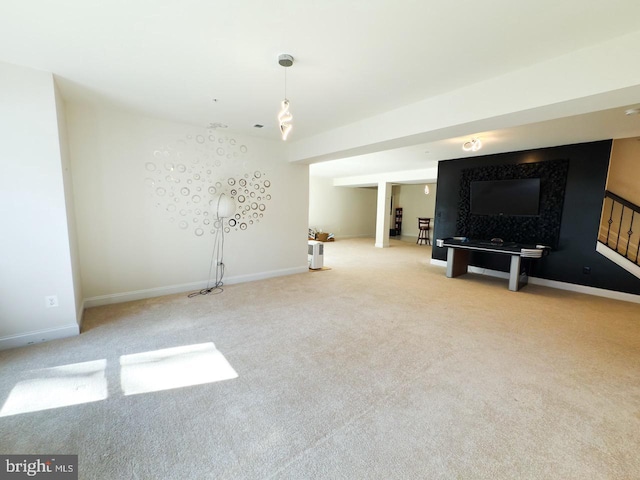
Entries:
{"x":379,"y":368}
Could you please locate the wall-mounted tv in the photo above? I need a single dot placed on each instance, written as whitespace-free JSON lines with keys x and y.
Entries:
{"x":519,"y":197}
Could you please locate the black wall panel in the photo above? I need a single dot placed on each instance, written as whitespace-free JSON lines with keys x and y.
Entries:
{"x":581,"y":207}
{"x":540,"y":229}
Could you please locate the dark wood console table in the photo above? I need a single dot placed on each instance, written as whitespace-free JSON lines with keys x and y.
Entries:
{"x":458,"y":249}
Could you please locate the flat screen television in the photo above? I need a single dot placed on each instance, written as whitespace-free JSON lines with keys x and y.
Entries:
{"x":519,"y":197}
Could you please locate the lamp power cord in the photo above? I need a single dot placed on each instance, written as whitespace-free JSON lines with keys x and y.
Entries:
{"x":217,"y":254}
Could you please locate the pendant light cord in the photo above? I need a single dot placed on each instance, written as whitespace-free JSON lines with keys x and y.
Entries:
{"x":285,"y":83}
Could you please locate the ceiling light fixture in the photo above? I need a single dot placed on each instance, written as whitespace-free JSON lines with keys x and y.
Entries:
{"x":632,"y":111}
{"x":472,"y":145}
{"x":426,"y":189}
{"x":284,"y":115}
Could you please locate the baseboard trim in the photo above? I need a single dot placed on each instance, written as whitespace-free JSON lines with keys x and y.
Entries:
{"x":572,"y":287}
{"x":599,"y":292}
{"x":185,"y":287}
{"x":39,"y":336}
{"x":264,"y":275}
{"x":363,"y":235}
{"x":618,"y":259}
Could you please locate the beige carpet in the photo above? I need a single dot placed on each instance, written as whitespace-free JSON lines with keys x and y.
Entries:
{"x":378,"y":368}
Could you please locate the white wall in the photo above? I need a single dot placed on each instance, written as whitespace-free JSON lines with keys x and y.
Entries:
{"x":415,"y":204}
{"x":624,"y":169}
{"x":344,"y":211}
{"x":35,"y":257}
{"x":69,"y":204}
{"x":142,"y":188}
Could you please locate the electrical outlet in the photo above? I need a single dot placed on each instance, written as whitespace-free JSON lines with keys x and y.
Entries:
{"x":51,"y":301}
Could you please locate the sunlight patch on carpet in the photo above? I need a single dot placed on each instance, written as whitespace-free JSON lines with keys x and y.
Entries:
{"x":170,"y":368}
{"x":57,"y":387}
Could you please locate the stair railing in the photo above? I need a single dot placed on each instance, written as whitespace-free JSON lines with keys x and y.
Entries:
{"x":619,"y":235}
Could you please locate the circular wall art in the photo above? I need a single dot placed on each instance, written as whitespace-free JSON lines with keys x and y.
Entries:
{"x":201,"y":163}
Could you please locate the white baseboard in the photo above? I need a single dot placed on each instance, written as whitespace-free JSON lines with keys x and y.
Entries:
{"x":618,"y":259}
{"x":363,"y":235}
{"x":599,"y":292}
{"x":185,"y":287}
{"x":39,"y":336}
{"x":264,"y":275}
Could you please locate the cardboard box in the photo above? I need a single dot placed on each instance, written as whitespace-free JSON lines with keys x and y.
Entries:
{"x":322,"y":237}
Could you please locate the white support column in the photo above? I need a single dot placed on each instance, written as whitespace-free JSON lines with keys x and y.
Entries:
{"x":383,"y":215}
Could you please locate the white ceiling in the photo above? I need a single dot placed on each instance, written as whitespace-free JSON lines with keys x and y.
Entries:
{"x":353,"y":60}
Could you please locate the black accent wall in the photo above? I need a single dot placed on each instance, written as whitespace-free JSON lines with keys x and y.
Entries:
{"x":580,"y":208}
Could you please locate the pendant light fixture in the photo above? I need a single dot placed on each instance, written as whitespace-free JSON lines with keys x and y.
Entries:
{"x":284,"y":116}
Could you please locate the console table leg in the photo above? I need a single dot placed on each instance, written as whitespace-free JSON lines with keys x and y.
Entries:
{"x":516,"y":279}
{"x":457,"y":262}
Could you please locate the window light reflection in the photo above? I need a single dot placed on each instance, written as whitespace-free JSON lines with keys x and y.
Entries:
{"x":173,"y":368}
{"x":57,"y":387}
